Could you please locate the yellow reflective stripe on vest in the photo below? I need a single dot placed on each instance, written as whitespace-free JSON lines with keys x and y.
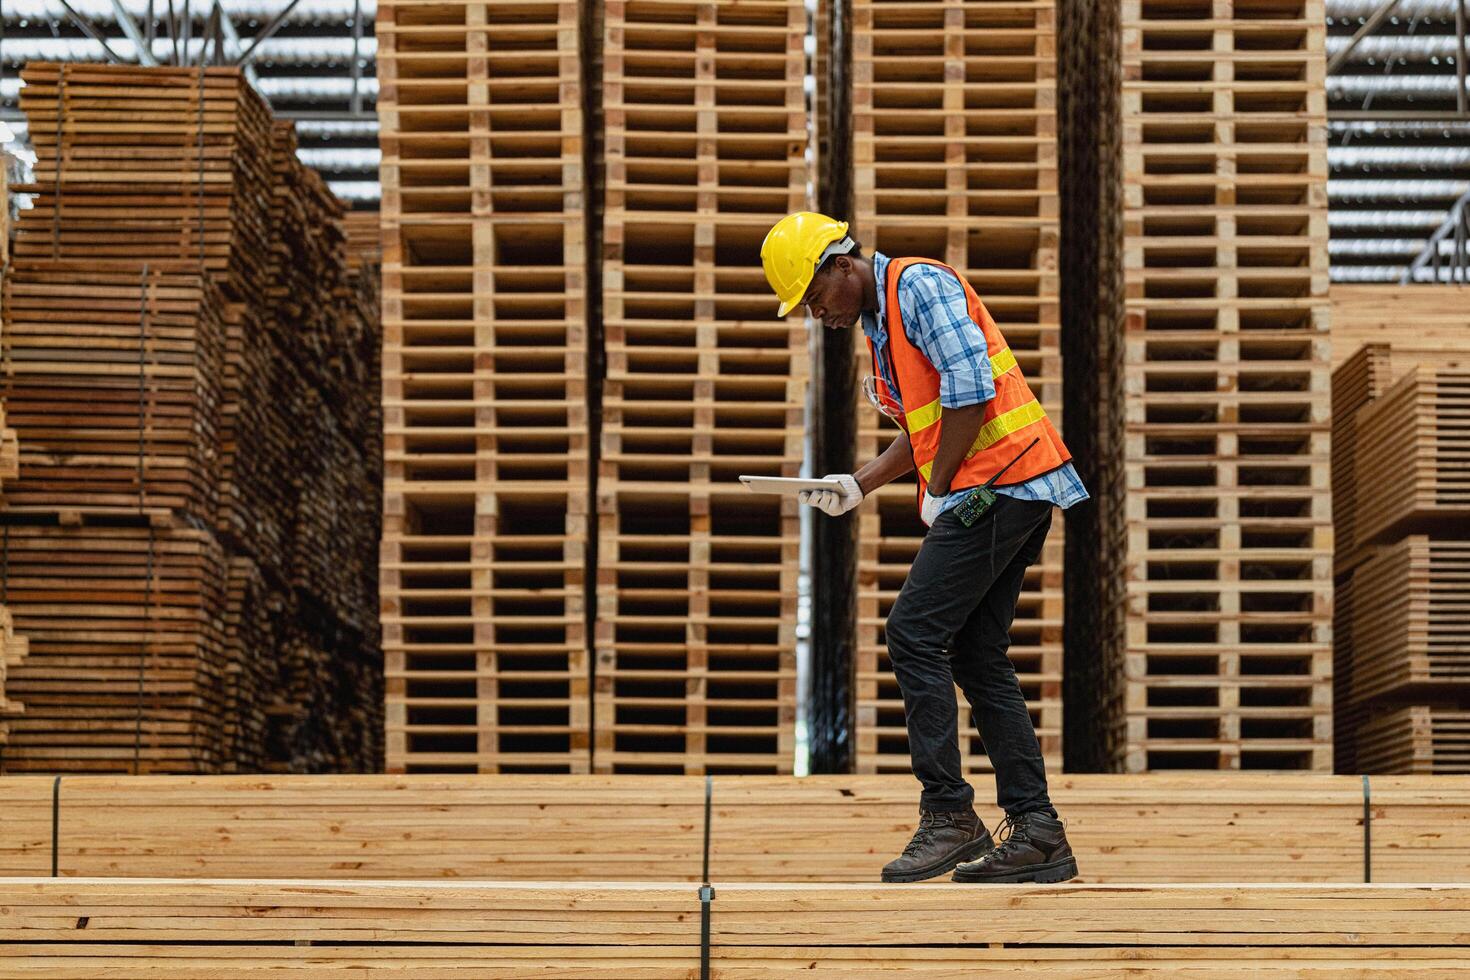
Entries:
{"x":921,"y":418}
{"x":1001,"y":362}
{"x":998,"y":428}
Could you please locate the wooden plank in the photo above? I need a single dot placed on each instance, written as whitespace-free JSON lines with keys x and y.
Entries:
{"x":389,"y":827}
{"x":162,"y":927}
{"x":1237,"y":827}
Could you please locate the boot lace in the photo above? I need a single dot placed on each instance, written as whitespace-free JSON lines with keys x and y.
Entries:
{"x":928,"y":823}
{"x":1009,"y":836}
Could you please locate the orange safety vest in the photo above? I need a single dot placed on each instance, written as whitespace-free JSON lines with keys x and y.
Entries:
{"x":1010,"y":421}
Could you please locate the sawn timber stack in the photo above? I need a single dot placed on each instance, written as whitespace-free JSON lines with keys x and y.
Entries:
{"x":191,"y":536}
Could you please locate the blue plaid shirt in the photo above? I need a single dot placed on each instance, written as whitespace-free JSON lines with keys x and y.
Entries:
{"x":936,"y":315}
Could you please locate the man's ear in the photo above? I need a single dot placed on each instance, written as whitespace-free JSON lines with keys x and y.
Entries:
{"x":843,"y":264}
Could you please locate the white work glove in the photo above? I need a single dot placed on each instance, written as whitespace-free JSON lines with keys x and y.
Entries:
{"x":834,"y":502}
{"x":930,"y":508}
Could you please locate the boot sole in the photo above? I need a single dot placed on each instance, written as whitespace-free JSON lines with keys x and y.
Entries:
{"x":1041,"y":874}
{"x":969,"y":852}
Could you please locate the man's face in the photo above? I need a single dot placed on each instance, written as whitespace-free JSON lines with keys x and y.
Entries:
{"x":835,"y":294}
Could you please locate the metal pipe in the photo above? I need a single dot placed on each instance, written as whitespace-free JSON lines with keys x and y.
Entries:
{"x":130,"y":28}
{"x":90,"y":31}
{"x":266,"y":31}
{"x":356,"y":102}
{"x":207,"y":32}
{"x":1384,"y":9}
{"x":1460,"y":55}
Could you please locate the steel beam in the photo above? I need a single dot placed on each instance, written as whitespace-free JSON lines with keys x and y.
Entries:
{"x":1371,"y":25}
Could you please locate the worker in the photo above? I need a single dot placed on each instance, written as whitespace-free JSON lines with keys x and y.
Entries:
{"x":944,"y":372}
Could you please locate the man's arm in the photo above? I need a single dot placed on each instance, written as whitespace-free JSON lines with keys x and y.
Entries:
{"x":936,"y":307}
{"x":958,"y":429}
{"x":891,"y":464}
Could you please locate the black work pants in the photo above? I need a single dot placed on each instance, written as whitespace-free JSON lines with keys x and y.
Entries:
{"x":951,"y":623}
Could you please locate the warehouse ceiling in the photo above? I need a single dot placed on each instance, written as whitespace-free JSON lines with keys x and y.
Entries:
{"x":305,"y":67}
{"x":1399,"y":152}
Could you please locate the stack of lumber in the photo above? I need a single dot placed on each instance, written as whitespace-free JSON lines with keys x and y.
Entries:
{"x":1402,"y":497}
{"x":707,"y":132}
{"x":364,"y":238}
{"x":486,"y":492}
{"x":1172,"y":828}
{"x":1366,"y":374}
{"x":12,"y":647}
{"x":192,"y":535}
{"x":1430,"y":317}
{"x":1213,"y":498}
{"x":115,"y":377}
{"x":955,"y":159}
{"x":147,"y":165}
{"x":127,"y":647}
{"x":93,"y":927}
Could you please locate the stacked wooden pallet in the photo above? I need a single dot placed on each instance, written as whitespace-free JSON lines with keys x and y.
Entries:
{"x":1217,"y":506}
{"x":192,"y":376}
{"x":484,"y":387}
{"x":697,"y":580}
{"x":954,"y":110}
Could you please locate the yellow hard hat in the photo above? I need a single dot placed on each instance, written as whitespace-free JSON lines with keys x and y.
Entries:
{"x":794,"y":248}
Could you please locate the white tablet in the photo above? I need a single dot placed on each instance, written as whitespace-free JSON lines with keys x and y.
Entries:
{"x":787,"y":484}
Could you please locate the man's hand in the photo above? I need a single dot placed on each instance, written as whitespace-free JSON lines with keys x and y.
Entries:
{"x":834,"y":502}
{"x":930,"y":509}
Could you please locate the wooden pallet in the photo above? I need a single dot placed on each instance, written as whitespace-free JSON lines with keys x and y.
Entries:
{"x":706,"y":130}
{"x":487,"y":480}
{"x":1214,"y":506}
{"x":955,"y":158}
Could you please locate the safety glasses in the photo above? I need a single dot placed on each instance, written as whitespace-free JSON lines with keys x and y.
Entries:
{"x":881,"y":398}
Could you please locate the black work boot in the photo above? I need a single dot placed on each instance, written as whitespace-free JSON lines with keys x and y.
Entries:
{"x":1033,"y":847}
{"x":943,"y":840}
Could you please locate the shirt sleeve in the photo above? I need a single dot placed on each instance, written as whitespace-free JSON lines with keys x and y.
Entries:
{"x":936,"y":317}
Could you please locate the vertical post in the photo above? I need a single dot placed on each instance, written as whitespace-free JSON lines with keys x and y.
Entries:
{"x":356,"y":57}
{"x":1460,"y":53}
{"x":832,"y":715}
